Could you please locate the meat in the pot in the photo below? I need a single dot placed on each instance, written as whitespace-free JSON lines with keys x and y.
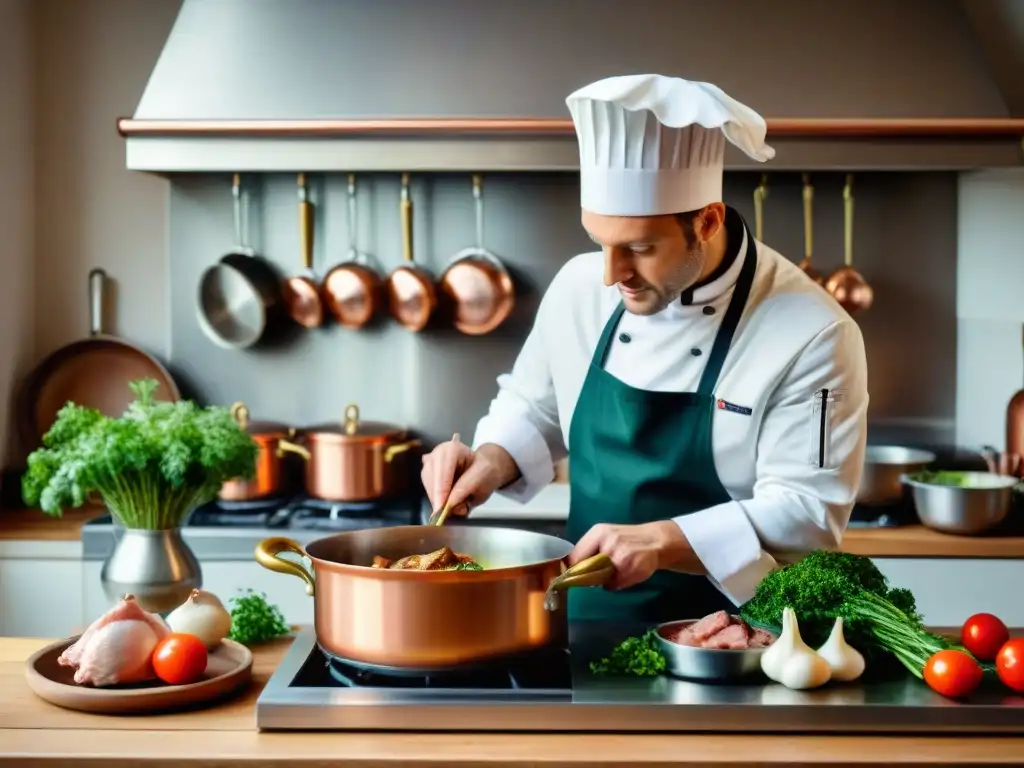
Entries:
{"x":720,"y":631}
{"x":443,"y":559}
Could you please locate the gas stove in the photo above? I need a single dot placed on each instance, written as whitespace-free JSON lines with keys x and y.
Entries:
{"x":555,"y":691}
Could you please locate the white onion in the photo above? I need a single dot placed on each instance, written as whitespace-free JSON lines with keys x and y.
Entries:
{"x":202,"y":615}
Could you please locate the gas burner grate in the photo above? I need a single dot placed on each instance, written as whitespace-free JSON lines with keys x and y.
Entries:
{"x":317,"y":514}
{"x":543,"y":670}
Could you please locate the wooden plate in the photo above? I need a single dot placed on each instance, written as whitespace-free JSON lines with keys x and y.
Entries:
{"x":228,"y":669}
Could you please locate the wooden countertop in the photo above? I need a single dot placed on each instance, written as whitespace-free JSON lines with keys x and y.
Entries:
{"x":905,"y":541}
{"x":34,"y":733}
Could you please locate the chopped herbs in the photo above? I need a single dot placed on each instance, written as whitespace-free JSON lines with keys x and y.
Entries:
{"x":637,"y":656}
{"x":254,"y":620}
{"x":468,"y":565}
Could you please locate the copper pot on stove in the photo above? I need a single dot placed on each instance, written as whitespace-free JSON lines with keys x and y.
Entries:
{"x":357,"y":460}
{"x":275,"y":474}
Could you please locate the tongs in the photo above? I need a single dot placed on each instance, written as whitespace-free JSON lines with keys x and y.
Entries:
{"x":438,"y":516}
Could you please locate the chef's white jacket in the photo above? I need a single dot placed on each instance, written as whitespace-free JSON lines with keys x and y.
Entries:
{"x":791,"y":470}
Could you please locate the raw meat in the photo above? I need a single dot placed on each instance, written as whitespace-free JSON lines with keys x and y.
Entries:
{"x":126,"y":610}
{"x":443,"y":559}
{"x":120,"y":652}
{"x":116,"y":648}
{"x":720,"y":631}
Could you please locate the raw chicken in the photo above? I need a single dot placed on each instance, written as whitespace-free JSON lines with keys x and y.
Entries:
{"x":116,"y":648}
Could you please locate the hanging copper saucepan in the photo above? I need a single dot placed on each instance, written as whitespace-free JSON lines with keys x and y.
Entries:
{"x":302,"y":292}
{"x":476,"y":283}
{"x":846,"y":284}
{"x":356,"y":461}
{"x":805,"y":265}
{"x":275,"y":474}
{"x":353,"y":289}
{"x":429,"y":621}
{"x":412,"y":296}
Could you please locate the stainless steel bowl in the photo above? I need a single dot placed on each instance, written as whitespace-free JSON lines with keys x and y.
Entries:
{"x":981,"y":503}
{"x":884,"y":466}
{"x":705,"y":663}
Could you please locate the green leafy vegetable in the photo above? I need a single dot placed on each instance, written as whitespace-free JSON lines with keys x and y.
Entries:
{"x":638,"y":656}
{"x":877,"y":620}
{"x":955,"y":479}
{"x":469,"y":565}
{"x":152,"y":465}
{"x":254,"y":620}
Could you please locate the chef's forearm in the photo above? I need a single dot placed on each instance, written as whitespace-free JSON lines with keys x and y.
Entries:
{"x":677,"y":554}
{"x":506,"y":469}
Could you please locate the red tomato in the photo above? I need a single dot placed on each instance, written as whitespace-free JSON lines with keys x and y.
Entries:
{"x":952,"y":673}
{"x":179,"y":659}
{"x":1010,"y":664}
{"x":983,"y":635}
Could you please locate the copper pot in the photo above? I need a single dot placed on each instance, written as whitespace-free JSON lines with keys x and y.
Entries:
{"x":358,"y":460}
{"x":846,"y":284}
{"x":435,"y":620}
{"x":274,"y":473}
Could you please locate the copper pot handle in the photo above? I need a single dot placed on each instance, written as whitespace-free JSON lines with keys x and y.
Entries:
{"x":592,"y":572}
{"x":398,"y":448}
{"x":240,"y":413}
{"x":287,"y":446}
{"x":267,"y":554}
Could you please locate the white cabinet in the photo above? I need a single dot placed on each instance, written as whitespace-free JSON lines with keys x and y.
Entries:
{"x":40,"y":593}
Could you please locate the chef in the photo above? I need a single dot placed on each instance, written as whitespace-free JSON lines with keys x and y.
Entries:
{"x":711,"y":397}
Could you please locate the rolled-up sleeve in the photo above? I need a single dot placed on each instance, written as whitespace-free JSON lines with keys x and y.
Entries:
{"x":808,"y":469}
{"x":523,"y":416}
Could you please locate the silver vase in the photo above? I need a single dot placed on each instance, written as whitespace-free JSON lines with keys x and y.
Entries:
{"x":157,"y":567}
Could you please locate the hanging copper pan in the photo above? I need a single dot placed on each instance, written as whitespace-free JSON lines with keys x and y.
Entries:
{"x":302,"y":292}
{"x":805,"y":265}
{"x":354,"y":289}
{"x":412,"y":296}
{"x":476,"y":283}
{"x":846,"y":284}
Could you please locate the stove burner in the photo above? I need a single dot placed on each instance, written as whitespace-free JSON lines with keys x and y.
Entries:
{"x":256,"y":513}
{"x":543,"y":669}
{"x":318,"y":514}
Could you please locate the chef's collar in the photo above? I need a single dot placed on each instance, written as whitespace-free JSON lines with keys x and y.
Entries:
{"x":719,"y":281}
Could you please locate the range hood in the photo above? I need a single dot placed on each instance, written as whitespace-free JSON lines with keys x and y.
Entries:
{"x":459,"y":85}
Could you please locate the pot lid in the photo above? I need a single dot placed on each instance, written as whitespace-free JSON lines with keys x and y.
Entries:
{"x":352,"y":426}
{"x":240,"y":413}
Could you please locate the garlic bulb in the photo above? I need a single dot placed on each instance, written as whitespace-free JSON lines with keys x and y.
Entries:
{"x":790,"y":661}
{"x":202,"y":615}
{"x":845,"y":662}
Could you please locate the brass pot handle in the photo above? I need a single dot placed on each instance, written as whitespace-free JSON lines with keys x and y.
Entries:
{"x":240,"y":413}
{"x":267,"y":554}
{"x":287,"y":446}
{"x":592,"y":572}
{"x":398,"y":448}
{"x":351,"y":422}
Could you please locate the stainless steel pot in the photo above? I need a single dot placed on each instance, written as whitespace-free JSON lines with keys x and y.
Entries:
{"x":884,"y":466}
{"x":981,"y":502}
{"x":426,"y":621}
{"x":355,"y":460}
{"x":693,"y":663}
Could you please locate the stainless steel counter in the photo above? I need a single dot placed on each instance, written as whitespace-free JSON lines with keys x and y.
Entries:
{"x":297,"y":698}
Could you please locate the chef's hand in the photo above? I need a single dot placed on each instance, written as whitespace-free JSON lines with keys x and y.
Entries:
{"x":455,"y":474}
{"x":637,"y":550}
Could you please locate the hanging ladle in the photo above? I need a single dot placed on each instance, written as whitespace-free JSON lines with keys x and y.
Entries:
{"x":846,"y":284}
{"x":805,"y":265}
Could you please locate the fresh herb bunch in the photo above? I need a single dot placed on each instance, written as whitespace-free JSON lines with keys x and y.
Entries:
{"x":877,"y":620}
{"x":254,"y":620}
{"x":637,"y":656}
{"x":152,"y":465}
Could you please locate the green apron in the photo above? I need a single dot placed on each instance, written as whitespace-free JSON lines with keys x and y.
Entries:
{"x":637,"y":456}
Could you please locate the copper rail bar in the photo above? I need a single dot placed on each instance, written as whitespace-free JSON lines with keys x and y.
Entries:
{"x":881,"y":128}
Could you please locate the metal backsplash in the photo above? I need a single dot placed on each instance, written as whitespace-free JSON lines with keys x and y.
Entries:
{"x":441,"y":381}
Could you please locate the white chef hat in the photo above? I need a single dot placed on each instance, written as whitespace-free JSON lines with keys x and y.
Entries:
{"x":652,"y":145}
